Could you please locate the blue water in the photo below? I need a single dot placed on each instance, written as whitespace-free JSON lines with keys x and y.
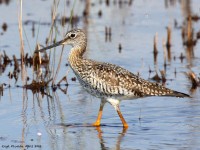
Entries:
{"x":59,"y":120}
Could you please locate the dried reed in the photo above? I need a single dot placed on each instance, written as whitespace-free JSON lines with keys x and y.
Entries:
{"x":23,"y":71}
{"x":155,"y":50}
{"x":61,"y":54}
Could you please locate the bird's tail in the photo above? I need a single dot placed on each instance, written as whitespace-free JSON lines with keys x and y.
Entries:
{"x":179,"y":94}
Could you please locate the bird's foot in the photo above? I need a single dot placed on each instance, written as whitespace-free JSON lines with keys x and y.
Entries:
{"x":125,"y":126}
{"x":96,"y":124}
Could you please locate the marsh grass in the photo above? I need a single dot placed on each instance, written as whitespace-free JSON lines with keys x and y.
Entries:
{"x":155,"y":49}
{"x":50,"y":67}
{"x":23,"y":69}
{"x":43,"y":65}
{"x":195,"y":81}
{"x":61,"y":54}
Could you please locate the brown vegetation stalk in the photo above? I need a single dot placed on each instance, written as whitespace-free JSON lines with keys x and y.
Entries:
{"x":23,"y":73}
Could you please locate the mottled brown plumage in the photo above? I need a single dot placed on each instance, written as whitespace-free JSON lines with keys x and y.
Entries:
{"x":109,"y":82}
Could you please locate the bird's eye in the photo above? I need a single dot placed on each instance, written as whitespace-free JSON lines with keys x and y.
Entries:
{"x":72,"y":35}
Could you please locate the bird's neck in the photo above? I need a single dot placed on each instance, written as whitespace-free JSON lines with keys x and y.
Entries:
{"x":76,"y":55}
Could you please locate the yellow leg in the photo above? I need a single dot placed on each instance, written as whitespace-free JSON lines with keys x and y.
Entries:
{"x":115,"y":104}
{"x":125,"y":125}
{"x":98,"y":121}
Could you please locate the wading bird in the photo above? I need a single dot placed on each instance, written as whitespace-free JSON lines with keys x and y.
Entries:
{"x":109,"y":82}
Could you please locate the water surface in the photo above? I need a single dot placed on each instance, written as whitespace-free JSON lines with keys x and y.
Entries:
{"x":61,"y":119}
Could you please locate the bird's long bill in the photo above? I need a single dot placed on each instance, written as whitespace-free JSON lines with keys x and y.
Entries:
{"x":50,"y":46}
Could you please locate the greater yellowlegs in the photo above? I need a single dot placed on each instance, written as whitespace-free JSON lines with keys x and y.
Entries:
{"x":109,"y":82}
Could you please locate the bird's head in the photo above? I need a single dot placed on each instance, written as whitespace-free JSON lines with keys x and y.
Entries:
{"x":75,"y":37}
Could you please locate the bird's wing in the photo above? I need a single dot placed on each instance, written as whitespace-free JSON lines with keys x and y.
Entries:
{"x":112,"y":79}
{"x":117,"y":81}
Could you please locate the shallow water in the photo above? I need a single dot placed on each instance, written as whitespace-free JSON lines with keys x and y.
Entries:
{"x":61,"y":119}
